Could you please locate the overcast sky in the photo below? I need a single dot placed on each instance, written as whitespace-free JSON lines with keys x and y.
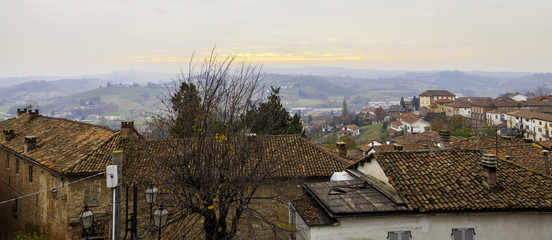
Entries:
{"x":68,"y":37}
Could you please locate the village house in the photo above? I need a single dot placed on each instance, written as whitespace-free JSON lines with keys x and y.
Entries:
{"x":427,"y":194}
{"x":51,"y":167}
{"x":430,"y":96}
{"x":368,"y":147}
{"x":291,"y":160}
{"x":414,"y":125}
{"x":535,"y":125}
{"x":354,"y":129}
{"x":459,"y":106}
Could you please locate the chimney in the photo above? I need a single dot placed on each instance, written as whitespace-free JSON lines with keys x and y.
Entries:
{"x":424,"y":147}
{"x":489,"y":165}
{"x":33,"y":114}
{"x":444,"y":139}
{"x":398,"y":147}
{"x":341,"y":148}
{"x":127,"y":128}
{"x":30,"y":143}
{"x":546,"y":161}
{"x":21,"y":111}
{"x":9,"y":134}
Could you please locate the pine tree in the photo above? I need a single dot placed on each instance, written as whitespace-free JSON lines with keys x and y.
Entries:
{"x":186,"y":102}
{"x":272,"y":118}
{"x":344,"y":111}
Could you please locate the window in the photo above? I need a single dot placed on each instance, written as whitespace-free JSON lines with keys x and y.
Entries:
{"x":16,"y":165}
{"x":30,"y":174}
{"x":8,"y":161}
{"x":91,"y":194}
{"x":15,"y":207}
{"x":463,"y":234}
{"x":401,"y":235}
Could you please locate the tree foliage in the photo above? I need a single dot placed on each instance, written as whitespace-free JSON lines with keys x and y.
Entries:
{"x":215,"y":169}
{"x":272,"y":118}
{"x":344,"y":111}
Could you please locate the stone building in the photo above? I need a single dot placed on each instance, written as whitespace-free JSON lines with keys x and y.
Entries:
{"x":39,"y":154}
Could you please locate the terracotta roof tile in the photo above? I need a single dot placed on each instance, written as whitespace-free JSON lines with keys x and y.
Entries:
{"x":523,"y":154}
{"x":451,"y":181}
{"x":431,"y":93}
{"x":293,"y":156}
{"x":61,"y":143}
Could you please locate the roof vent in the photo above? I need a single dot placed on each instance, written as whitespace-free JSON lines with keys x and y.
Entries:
{"x":30,"y":143}
{"x":9,"y":134}
{"x":21,"y":111}
{"x":489,"y":164}
{"x":444,"y":138}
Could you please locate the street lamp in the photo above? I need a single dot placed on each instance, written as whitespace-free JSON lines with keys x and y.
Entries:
{"x":87,"y":220}
{"x":54,"y":193}
{"x":151,"y":196}
{"x":160,"y":218}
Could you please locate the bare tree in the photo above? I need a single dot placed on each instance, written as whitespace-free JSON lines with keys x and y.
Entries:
{"x":212,"y":168}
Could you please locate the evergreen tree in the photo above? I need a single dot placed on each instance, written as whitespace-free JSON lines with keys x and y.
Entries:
{"x":416,"y":102}
{"x":402,"y":103}
{"x":344,"y":111}
{"x":186,"y":102}
{"x":272,"y":118}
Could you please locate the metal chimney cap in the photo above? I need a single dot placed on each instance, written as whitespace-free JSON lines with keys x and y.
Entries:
{"x":489,"y":160}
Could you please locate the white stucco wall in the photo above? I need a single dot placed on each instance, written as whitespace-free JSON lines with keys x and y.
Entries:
{"x":487,"y":226}
{"x":373,"y":169}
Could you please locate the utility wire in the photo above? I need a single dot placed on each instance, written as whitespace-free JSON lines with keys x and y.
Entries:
{"x":45,"y":190}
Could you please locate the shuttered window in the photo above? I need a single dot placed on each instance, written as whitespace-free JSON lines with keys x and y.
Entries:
{"x":399,"y":235}
{"x":8,"y":161}
{"x":91,"y":194}
{"x":16,"y":165}
{"x":463,"y":234}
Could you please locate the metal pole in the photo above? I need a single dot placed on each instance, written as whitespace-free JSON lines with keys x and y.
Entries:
{"x":135,"y":210}
{"x":114,"y":212}
{"x":159,"y":235}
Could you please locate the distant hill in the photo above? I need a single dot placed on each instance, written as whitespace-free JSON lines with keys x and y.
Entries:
{"x":303,"y":87}
{"x":44,"y":90}
{"x":128,"y":102}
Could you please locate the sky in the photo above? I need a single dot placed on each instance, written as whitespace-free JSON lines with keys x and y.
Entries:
{"x":70,"y":37}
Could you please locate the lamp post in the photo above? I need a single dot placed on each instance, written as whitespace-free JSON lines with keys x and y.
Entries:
{"x":86,"y":217}
{"x":151,"y":196}
{"x":160,"y":218}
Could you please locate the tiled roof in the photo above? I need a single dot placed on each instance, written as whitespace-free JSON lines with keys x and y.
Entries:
{"x":61,"y":143}
{"x":352,"y":126}
{"x":415,"y":141}
{"x":412,"y":119}
{"x":451,"y":181}
{"x":460,"y":103}
{"x":433,"y":105}
{"x":409,"y":114}
{"x":433,"y":93}
{"x":525,"y":113}
{"x":290,"y":155}
{"x":444,"y":100}
{"x":541,"y":98}
{"x":99,"y":159}
{"x":520,"y":153}
{"x":397,"y":123}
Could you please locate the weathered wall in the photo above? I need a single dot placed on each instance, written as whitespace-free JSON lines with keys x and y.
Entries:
{"x":41,"y":213}
{"x":488,"y":226}
{"x":37,"y":213}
